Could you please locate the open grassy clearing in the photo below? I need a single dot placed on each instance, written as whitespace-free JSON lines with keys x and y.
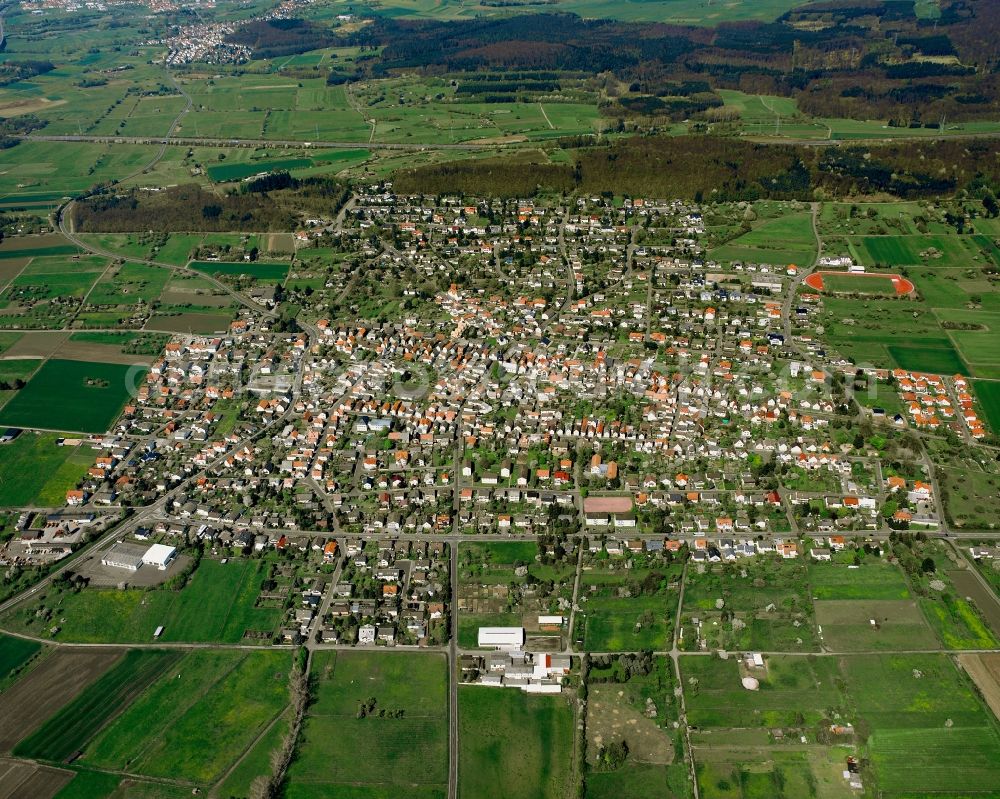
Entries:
{"x":766,"y":605}
{"x":217,"y":604}
{"x":129,"y":284}
{"x":850,"y":625}
{"x":73,"y":395}
{"x":198,"y":718}
{"x":34,"y":470}
{"x":791,"y":688}
{"x":871,"y":579}
{"x":68,"y":731}
{"x":400,"y":744}
{"x":513,"y":745}
{"x":629,"y":611}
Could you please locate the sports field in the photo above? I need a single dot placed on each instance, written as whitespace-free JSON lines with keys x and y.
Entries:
{"x":81,"y":396}
{"x":880,"y":284}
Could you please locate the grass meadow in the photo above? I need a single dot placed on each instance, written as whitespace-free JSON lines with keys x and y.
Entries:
{"x":399,"y":746}
{"x":514,"y":746}
{"x":217,"y":604}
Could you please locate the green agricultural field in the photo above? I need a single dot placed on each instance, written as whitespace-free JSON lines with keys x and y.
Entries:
{"x":48,"y":171}
{"x":228,"y":172}
{"x":889,"y":333}
{"x":177,"y":249}
{"x":785,"y":240}
{"x":936,"y":360}
{"x":217,"y":604}
{"x":11,"y":252}
{"x":68,"y":731}
{"x":35,"y":470}
{"x":197,"y":719}
{"x":90,"y":785}
{"x":398,"y":742}
{"x":895,"y":251}
{"x":257,"y":761}
{"x":256,"y":270}
{"x":14,"y":654}
{"x":922,"y":703}
{"x":988,"y":394}
{"x":73,"y":395}
{"x":514,"y":745}
{"x":55,"y":276}
{"x":638,"y":781}
{"x":686,"y":12}
{"x":871,"y":579}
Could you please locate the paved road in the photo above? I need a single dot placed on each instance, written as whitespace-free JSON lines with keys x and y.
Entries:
{"x":188,"y":141}
{"x":453,"y":681}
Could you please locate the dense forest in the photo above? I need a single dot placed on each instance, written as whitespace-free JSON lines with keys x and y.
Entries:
{"x":13,"y":71}
{"x":862,"y":59}
{"x":261,"y":206}
{"x":711,"y":168}
{"x":281,"y":37}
